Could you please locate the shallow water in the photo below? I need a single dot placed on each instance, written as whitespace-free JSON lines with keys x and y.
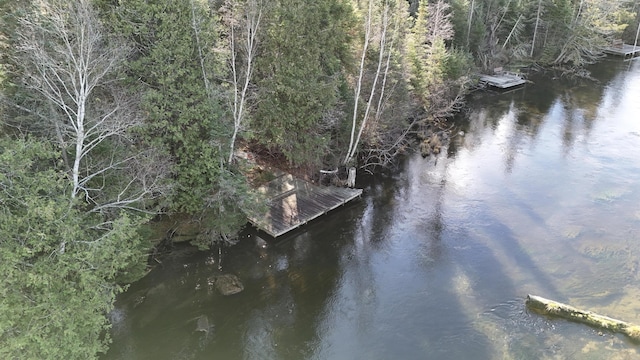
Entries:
{"x":540,"y":196}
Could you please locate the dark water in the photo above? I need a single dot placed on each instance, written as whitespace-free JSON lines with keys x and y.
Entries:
{"x":540,"y":196}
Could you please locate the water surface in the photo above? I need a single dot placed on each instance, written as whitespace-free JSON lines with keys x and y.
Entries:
{"x":539,"y":196}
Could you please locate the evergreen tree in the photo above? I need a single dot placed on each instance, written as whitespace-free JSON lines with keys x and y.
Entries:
{"x":72,"y":198}
{"x":179,"y":67}
{"x":182,"y":101}
{"x":427,"y":51}
{"x":60,"y":264}
{"x":300,"y":77}
{"x":585,"y":28}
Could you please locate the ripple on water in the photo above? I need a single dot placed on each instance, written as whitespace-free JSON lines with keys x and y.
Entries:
{"x":520,"y":334}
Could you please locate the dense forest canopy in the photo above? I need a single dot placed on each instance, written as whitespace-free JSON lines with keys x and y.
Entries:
{"x":114,"y":111}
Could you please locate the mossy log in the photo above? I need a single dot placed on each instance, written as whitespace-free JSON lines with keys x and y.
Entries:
{"x":550,"y":307}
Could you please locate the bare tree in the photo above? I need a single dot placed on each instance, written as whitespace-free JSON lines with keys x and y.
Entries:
{"x":382,"y":69}
{"x":439,"y":24}
{"x":513,"y":30}
{"x":241,"y":73}
{"x":358,"y":89}
{"x":397,"y":140}
{"x":67,"y":58}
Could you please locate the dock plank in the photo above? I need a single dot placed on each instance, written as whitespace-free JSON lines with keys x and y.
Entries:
{"x":294,"y":202}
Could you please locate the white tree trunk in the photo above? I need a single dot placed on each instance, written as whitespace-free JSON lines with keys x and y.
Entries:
{"x":66,"y":58}
{"x":381,"y":58}
{"x":241,"y":82}
{"x":384,"y":58}
{"x":511,"y":32}
{"x":535,"y":29}
{"x":635,"y":41}
{"x":365,"y":46}
{"x":579,"y":10}
{"x":195,"y":24}
{"x":469,"y":20}
{"x":351,"y":178}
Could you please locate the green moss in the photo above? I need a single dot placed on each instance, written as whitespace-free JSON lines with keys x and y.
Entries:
{"x":553,"y":308}
{"x":633,"y":331}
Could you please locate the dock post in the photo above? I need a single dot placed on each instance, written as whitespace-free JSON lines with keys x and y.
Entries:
{"x":351,"y":178}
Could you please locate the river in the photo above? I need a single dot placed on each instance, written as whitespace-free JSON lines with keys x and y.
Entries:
{"x":540,"y":195}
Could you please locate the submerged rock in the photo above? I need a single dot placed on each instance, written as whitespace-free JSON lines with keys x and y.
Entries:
{"x":228,"y":284}
{"x":202,"y":324}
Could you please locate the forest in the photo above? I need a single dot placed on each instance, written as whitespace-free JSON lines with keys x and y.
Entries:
{"x":116,"y":111}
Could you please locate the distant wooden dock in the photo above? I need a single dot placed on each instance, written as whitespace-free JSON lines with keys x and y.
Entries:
{"x":624,"y":50}
{"x":294,"y":202}
{"x":502,"y":80}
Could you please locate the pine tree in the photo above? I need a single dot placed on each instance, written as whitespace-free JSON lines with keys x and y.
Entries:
{"x":300,"y":78}
{"x":183,"y":104}
{"x":60,"y":264}
{"x":426,"y":49}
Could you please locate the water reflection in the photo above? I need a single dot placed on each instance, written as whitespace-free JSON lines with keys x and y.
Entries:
{"x":540,"y":195}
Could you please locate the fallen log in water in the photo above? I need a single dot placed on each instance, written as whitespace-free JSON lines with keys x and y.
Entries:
{"x":550,"y":307}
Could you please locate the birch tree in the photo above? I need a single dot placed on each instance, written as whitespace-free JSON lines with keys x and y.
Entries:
{"x":243,"y":53}
{"x":67,"y":58}
{"x":635,"y":40}
{"x":382,"y":31}
{"x":470,"y":21}
{"x":70,"y":217}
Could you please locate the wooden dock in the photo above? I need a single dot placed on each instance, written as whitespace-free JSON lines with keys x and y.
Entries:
{"x":503,"y":80}
{"x":624,"y":50}
{"x":294,"y":202}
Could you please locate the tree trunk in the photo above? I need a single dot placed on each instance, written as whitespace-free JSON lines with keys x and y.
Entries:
{"x":383,"y":39}
{"x":469,"y":22}
{"x":511,"y":32}
{"x":535,"y":29}
{"x":251,"y":18}
{"x":550,"y":307}
{"x":635,"y":42}
{"x":367,"y":36}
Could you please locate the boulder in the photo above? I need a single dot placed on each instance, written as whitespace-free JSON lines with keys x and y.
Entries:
{"x":228,"y":284}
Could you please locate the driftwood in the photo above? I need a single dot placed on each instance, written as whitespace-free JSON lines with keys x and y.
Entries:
{"x":550,"y":307}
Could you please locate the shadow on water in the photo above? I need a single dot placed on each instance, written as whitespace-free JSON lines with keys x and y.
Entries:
{"x":477,"y":286}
